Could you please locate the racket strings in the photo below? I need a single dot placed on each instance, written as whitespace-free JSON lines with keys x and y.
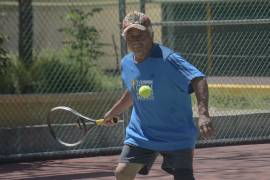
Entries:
{"x":68,"y":127}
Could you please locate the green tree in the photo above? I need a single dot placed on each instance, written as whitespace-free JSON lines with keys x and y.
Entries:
{"x":72,"y":69}
{"x":83,"y":40}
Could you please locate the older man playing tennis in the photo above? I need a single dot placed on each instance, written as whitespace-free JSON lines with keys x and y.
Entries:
{"x":161,"y":123}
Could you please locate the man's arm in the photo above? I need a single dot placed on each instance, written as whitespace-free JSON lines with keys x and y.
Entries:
{"x":120,"y":106}
{"x":201,"y":91}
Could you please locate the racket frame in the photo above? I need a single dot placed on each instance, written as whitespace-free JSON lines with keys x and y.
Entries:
{"x":81,"y":122}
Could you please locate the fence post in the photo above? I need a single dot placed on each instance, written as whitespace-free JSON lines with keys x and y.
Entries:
{"x":25,"y":31}
{"x":142,"y":6}
{"x":209,"y":40}
{"x":122,"y":14}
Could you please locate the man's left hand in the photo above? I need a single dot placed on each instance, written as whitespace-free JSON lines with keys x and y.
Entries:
{"x":206,"y":126}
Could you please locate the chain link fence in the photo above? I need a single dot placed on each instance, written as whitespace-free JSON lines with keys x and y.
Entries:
{"x":229,"y":41}
{"x":68,"y":52}
{"x":57,"y":53}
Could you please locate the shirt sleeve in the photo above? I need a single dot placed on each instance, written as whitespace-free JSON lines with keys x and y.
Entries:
{"x":186,"y":71}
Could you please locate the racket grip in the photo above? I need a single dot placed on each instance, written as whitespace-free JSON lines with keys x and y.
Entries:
{"x":101,"y":121}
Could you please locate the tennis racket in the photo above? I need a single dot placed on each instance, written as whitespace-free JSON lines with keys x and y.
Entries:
{"x":69,"y":127}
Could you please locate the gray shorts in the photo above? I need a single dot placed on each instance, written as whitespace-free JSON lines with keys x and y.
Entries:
{"x":180,"y":160}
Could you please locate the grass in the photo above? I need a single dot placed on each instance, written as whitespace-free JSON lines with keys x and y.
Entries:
{"x":32,"y":109}
{"x":239,"y":98}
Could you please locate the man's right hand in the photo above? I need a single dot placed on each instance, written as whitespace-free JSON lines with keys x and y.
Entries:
{"x":109,"y":119}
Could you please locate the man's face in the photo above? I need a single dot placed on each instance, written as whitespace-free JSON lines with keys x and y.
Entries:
{"x":139,"y":41}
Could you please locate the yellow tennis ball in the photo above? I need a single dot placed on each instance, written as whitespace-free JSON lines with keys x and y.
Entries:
{"x":145,"y":91}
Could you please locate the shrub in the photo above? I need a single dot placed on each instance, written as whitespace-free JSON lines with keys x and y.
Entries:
{"x":82,"y":40}
{"x":72,"y":69}
{"x":7,"y":77}
{"x":56,"y":73}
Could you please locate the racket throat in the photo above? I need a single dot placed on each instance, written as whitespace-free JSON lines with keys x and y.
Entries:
{"x":81,"y":125}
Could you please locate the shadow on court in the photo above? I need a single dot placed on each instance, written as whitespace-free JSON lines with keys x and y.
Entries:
{"x":245,"y":162}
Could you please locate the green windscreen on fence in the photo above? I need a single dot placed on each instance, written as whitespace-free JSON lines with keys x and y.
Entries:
{"x":223,"y":38}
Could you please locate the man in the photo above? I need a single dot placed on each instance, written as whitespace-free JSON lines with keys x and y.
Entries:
{"x":161,"y":123}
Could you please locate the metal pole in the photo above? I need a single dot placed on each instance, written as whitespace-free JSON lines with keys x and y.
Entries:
{"x":171,"y":15}
{"x":209,"y":40}
{"x":123,"y":47}
{"x":122,"y":14}
{"x":26,"y":31}
{"x":142,"y":6}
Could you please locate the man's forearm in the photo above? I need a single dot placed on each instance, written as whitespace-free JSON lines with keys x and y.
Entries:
{"x":204,"y":123}
{"x":201,"y":91}
{"x":122,"y":104}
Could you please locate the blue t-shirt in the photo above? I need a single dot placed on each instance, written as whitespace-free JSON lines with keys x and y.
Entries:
{"x":163,"y":121}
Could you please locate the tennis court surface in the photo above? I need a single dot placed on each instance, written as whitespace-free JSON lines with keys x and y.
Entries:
{"x":243,"y":162}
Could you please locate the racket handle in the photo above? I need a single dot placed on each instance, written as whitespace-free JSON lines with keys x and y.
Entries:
{"x":101,"y":121}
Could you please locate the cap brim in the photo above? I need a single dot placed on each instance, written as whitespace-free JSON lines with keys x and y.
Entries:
{"x":137,"y":26}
